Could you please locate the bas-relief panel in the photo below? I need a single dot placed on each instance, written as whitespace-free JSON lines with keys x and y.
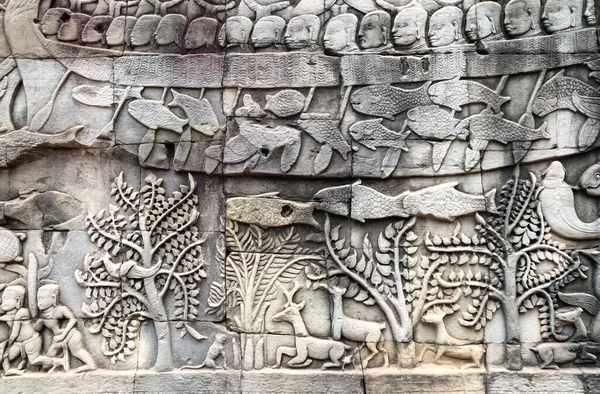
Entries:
{"x":342,"y":185}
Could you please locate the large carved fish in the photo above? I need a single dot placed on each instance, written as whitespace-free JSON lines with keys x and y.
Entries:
{"x":386,"y":101}
{"x":104,"y":96}
{"x":372,"y":134}
{"x":493,"y":127}
{"x":154,"y":115}
{"x":561,"y":92}
{"x":200,"y":113}
{"x":558,"y":206}
{"x":456,"y":93}
{"x":269,"y":211}
{"x":439,"y":201}
{"x":590,"y":180}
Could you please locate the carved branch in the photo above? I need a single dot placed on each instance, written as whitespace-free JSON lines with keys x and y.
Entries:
{"x":125,"y":242}
{"x":183,"y":253}
{"x":543,"y":286}
{"x":192,"y":186}
{"x":476,"y":318}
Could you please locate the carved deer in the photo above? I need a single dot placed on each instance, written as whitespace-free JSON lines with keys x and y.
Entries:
{"x":445,"y":344}
{"x":369,"y":334}
{"x":307,"y":348}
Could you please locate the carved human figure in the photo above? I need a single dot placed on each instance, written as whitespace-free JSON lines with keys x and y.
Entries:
{"x":562,"y":15}
{"x":170,"y":30}
{"x":408,"y":32}
{"x":374,"y":31}
{"x":445,"y":27}
{"x":119,"y":31}
{"x":53,"y":19}
{"x":95,"y":29}
{"x":201,"y":32}
{"x":590,"y":12}
{"x":268,"y":31}
{"x":143,"y":31}
{"x":302,"y":32}
{"x":340,"y":34}
{"x":23,"y":341}
{"x":482,"y":22}
{"x":235,"y":32}
{"x":66,"y":338}
{"x":521,"y":18}
{"x":71,"y":29}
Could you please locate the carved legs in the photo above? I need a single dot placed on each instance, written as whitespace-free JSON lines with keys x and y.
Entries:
{"x":281,"y":350}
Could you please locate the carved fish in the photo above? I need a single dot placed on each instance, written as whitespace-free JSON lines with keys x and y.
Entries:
{"x":493,"y":127}
{"x":326,"y":131}
{"x":386,"y":100}
{"x":590,"y":180}
{"x":268,"y":211}
{"x":561,"y":92}
{"x":285,"y":103}
{"x":457,"y":93}
{"x":257,"y":139}
{"x":154,"y":115}
{"x":104,"y":96}
{"x":372,"y":134}
{"x":558,"y":206}
{"x":200,"y":113}
{"x":37,"y":210}
{"x":439,"y":201}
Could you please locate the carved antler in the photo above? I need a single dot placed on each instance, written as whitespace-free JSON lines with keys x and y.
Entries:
{"x":290,"y":294}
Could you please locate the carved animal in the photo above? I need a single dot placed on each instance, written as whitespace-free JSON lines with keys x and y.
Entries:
{"x":446,"y":345}
{"x":326,"y":132}
{"x":268,"y":211}
{"x":216,"y":349}
{"x":258,"y":139}
{"x":430,"y":122}
{"x":590,"y":180}
{"x":440,"y":201}
{"x":10,"y":246}
{"x":372,"y":134}
{"x":386,"y":100}
{"x":493,"y":127}
{"x":571,"y":316}
{"x":558,"y":206}
{"x":456,"y":93}
{"x":104,"y":96}
{"x":550,"y":354}
{"x":285,"y":103}
{"x":307,"y":348}
{"x":561,"y":92}
{"x":154,"y":115}
{"x":250,"y":108}
{"x":200,"y":113}
{"x":47,"y":209}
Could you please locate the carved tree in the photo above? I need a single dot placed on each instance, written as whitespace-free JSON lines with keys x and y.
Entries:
{"x":511,"y":264}
{"x":151,"y":248}
{"x":257,"y":260}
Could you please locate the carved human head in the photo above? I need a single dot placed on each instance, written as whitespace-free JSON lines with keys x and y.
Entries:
{"x":236,"y":31}
{"x":561,"y":15}
{"x":409,"y":26}
{"x":120,"y":30}
{"x":13,"y":297}
{"x":483,"y":20}
{"x":268,"y":31}
{"x":340,"y":33}
{"x":201,"y":32}
{"x":374,"y":31}
{"x":71,"y":30}
{"x":53,"y":19}
{"x":95,"y":29}
{"x":445,"y":26}
{"x":143,"y":31}
{"x":302,"y":31}
{"x":590,"y":12}
{"x":48,"y":295}
{"x":521,"y":17}
{"x":170,"y":30}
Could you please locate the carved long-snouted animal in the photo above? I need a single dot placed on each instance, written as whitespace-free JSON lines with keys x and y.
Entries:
{"x":307,"y":347}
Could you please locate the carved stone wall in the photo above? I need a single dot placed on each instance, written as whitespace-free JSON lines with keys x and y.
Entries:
{"x":260,"y":196}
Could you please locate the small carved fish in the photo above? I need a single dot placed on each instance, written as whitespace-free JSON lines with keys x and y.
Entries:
{"x":493,"y":127}
{"x":326,"y":131}
{"x":200,"y":113}
{"x":257,"y":139}
{"x":104,"y":96}
{"x":561,"y":92}
{"x":457,"y":93}
{"x":154,"y":115}
{"x":286,"y":103}
{"x":590,"y":180}
{"x":430,"y":122}
{"x":386,"y":100}
{"x":440,"y":201}
{"x":270,"y":211}
{"x":372,"y":134}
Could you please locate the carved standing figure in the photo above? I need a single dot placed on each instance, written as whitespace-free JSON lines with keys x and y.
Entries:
{"x":374,"y":31}
{"x":521,"y":18}
{"x":562,"y":15}
{"x":340,"y":34}
{"x":302,"y":33}
{"x":409,"y":29}
{"x":483,"y":23}
{"x":445,"y":27}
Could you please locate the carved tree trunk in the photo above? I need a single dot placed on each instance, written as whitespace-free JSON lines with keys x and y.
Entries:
{"x":510,"y":308}
{"x":164,"y":356}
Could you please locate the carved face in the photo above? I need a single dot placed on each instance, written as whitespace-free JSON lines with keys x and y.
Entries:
{"x":263,"y":35}
{"x":477,"y":25}
{"x":517,"y":21}
{"x":442,"y":30}
{"x":235,"y":34}
{"x":557,"y":16}
{"x":371,"y":34}
{"x":10,"y":300}
{"x":45,"y":299}
{"x":297,"y":35}
{"x":406,"y":30}
{"x":336,"y":36}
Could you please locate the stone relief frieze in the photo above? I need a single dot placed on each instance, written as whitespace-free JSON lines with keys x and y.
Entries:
{"x":257,"y":190}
